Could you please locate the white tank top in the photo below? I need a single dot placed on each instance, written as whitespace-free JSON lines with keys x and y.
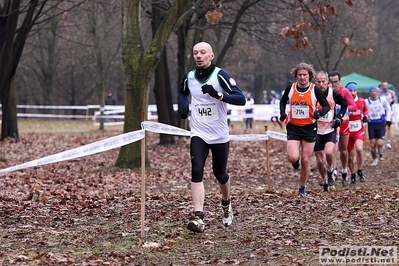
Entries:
{"x":208,"y":115}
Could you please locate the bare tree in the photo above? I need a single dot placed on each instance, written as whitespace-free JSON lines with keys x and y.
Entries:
{"x":328,"y":33}
{"x":17,"y":19}
{"x":140,"y":63}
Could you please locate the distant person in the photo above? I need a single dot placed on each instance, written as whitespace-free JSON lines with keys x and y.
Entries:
{"x":109,"y":100}
{"x":379,"y":114}
{"x":274,"y":119}
{"x":390,"y":96}
{"x":249,"y":110}
{"x":211,"y":89}
{"x":264,"y":98}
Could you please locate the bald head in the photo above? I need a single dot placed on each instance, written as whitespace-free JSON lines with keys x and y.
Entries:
{"x":203,"y":54}
{"x":203,"y":45}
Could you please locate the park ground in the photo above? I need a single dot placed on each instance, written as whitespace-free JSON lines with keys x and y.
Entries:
{"x":86,"y":212}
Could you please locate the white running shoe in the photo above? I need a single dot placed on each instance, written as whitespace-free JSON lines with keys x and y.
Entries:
{"x":389,"y":145}
{"x":196,"y":225}
{"x":375,"y":162}
{"x":227,"y":212}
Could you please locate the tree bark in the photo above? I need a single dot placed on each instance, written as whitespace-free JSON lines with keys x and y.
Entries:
{"x":140,"y":64}
{"x":162,"y":89}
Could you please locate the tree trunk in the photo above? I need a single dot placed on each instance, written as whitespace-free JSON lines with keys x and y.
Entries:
{"x":163,"y":99}
{"x":140,"y":65}
{"x":12,"y":119}
{"x":12,"y":45}
{"x":162,"y":90}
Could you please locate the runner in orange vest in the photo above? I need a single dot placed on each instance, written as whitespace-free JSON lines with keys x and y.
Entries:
{"x":302,"y":97}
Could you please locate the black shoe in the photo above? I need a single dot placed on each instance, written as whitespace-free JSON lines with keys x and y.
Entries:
{"x":302,"y":190}
{"x":326,"y":188}
{"x":331,"y":179}
{"x":361,"y":177}
{"x":344,"y":179}
{"x":296,"y":165}
{"x":353,"y":179}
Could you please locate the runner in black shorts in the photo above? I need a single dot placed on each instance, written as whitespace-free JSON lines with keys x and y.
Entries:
{"x":302,"y":97}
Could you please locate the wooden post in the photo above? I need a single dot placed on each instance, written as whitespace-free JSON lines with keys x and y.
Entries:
{"x":142,"y":213}
{"x":269,"y":185}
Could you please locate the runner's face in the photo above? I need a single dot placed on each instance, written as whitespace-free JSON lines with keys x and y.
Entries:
{"x":384,"y":86}
{"x":302,"y":77}
{"x":374,"y":94}
{"x":203,"y":55}
{"x":354,"y":93}
{"x":335,"y":82}
{"x":321,"y":82}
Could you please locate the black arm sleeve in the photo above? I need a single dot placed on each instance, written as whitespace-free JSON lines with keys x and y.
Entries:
{"x":321,"y":98}
{"x":184,"y":93}
{"x":284,"y":100}
{"x":338,"y":99}
{"x":234,"y":94}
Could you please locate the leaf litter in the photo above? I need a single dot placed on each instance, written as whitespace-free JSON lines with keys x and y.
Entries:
{"x":87,"y":212}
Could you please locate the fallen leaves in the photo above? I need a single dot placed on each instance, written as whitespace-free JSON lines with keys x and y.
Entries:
{"x":87,"y":212}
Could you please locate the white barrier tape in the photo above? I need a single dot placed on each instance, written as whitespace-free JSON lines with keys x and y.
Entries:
{"x":163,"y":128}
{"x":92,"y":148}
{"x":250,"y":137}
{"x":127,"y":138}
{"x":276,"y":135}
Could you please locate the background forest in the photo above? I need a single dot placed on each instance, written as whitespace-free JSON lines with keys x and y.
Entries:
{"x":76,"y":54}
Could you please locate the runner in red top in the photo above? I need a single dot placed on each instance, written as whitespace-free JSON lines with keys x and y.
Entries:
{"x":335,"y":77}
{"x":356,"y":134}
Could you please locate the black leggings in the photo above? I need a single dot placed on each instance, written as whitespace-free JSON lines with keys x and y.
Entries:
{"x":199,"y":151}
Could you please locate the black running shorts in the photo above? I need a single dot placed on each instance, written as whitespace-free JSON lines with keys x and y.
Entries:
{"x":321,"y":140}
{"x":307,"y":133}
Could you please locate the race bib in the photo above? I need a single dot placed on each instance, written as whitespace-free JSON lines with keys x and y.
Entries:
{"x":327,"y":118}
{"x":374,"y":115}
{"x":355,"y":126}
{"x":207,"y":112}
{"x":300,"y":111}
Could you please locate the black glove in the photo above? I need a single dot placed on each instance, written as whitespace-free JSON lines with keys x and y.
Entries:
{"x":316,"y":114}
{"x":389,"y":123}
{"x":336,"y":122}
{"x":210,"y":90}
{"x":283,"y":117}
{"x":183,"y":112}
{"x":365,"y":119}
